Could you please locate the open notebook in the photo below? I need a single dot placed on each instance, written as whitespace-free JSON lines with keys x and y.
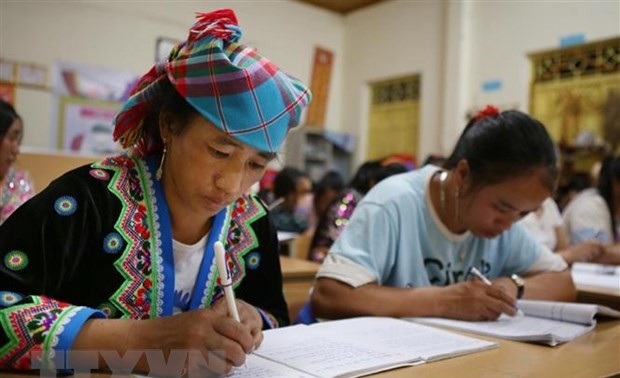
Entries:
{"x":352,"y":348}
{"x":544,"y":322}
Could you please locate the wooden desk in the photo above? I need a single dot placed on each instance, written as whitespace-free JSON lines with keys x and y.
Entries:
{"x":298,"y":278}
{"x":595,"y":354}
{"x":598,"y":295}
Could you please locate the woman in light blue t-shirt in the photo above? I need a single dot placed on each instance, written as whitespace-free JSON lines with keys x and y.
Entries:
{"x":409,"y":246}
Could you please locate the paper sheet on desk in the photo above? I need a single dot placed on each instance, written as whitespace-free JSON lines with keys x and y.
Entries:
{"x":597,"y":275}
{"x":545,"y":322}
{"x":518,"y":328}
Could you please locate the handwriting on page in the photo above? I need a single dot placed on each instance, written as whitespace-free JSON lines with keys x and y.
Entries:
{"x":258,"y":367}
{"x":325,"y":357}
{"x":417,"y":340}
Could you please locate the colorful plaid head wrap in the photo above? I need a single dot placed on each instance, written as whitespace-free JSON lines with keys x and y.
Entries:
{"x":233,"y":86}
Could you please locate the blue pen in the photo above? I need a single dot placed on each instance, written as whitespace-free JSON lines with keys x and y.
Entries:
{"x":481,"y":277}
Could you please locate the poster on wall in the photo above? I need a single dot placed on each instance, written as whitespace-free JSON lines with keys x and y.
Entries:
{"x":85,"y":101}
{"x":86,"y":126}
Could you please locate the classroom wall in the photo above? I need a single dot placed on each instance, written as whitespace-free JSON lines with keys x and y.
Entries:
{"x":455,"y":46}
{"x":122,"y":36}
{"x":527,"y":27}
{"x":392,"y":39}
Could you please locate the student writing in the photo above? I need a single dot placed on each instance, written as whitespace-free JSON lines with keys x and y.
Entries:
{"x":118,"y":255}
{"x":407,"y":247}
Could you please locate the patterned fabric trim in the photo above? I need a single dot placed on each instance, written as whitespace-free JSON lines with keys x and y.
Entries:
{"x":138,"y":296}
{"x":38,"y":328}
{"x":239,"y":239}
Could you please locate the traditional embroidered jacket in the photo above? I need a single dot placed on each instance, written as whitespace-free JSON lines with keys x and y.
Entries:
{"x":97,"y":243}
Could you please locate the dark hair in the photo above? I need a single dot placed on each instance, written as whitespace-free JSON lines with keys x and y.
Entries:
{"x":332,"y":180}
{"x":8,"y":115}
{"x":610,"y":172}
{"x":579,"y":182}
{"x":434,"y":159}
{"x":366,"y":176}
{"x":168,"y":99}
{"x":286,"y":181}
{"x":505,"y":145}
{"x":389,"y":170}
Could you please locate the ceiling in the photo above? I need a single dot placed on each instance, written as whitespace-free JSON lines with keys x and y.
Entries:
{"x":342,"y":6}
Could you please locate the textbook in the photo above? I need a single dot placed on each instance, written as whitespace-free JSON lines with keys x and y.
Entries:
{"x":544,"y":322}
{"x":352,"y":348}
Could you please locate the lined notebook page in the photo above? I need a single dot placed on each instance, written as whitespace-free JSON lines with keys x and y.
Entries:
{"x":352,"y":347}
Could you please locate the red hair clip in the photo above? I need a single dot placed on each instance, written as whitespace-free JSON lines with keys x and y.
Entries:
{"x":490,"y":110}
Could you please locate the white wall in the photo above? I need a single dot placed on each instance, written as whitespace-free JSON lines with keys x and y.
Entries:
{"x":457,"y":46}
{"x":454,"y":45}
{"x":121,"y":36}
{"x":503,"y":33}
{"x":393,"y":39}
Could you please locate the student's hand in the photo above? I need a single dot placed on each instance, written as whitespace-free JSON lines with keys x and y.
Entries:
{"x":250,"y":317}
{"x":476,"y":301}
{"x":216,"y":341}
{"x":583,"y":252}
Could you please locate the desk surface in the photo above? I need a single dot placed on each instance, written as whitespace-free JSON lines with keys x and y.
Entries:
{"x":296,"y":268}
{"x":609,"y":297}
{"x":595,"y":354}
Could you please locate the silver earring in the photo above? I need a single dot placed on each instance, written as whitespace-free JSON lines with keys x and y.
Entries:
{"x":160,"y":169}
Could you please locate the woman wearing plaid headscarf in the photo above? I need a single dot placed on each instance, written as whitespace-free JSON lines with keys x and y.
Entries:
{"x":118,"y":255}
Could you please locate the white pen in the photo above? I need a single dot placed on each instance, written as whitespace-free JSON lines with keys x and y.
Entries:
{"x":479,"y":275}
{"x":225,"y":279}
{"x":482,"y":278}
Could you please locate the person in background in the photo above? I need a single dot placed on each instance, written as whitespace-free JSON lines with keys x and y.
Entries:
{"x":16,"y":185}
{"x":546,"y":225}
{"x":434,"y":159}
{"x":336,"y":217}
{"x":118,"y":255}
{"x":408,"y":247}
{"x":292,"y":207}
{"x":325,"y":192}
{"x":594,"y":213}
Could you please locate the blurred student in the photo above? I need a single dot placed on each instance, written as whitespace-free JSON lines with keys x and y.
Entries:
{"x":545,"y":223}
{"x":16,"y":186}
{"x":326,"y":191}
{"x":434,"y":159}
{"x":408,"y":247}
{"x":337,"y":215}
{"x":291,"y":210}
{"x":594,"y":213}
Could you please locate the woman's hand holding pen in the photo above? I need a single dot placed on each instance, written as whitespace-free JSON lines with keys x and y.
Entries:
{"x":475,"y":300}
{"x":249,"y":316}
{"x":220,"y":341}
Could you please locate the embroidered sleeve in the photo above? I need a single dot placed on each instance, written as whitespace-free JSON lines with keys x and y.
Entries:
{"x":44,"y":298}
{"x":35,"y":327}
